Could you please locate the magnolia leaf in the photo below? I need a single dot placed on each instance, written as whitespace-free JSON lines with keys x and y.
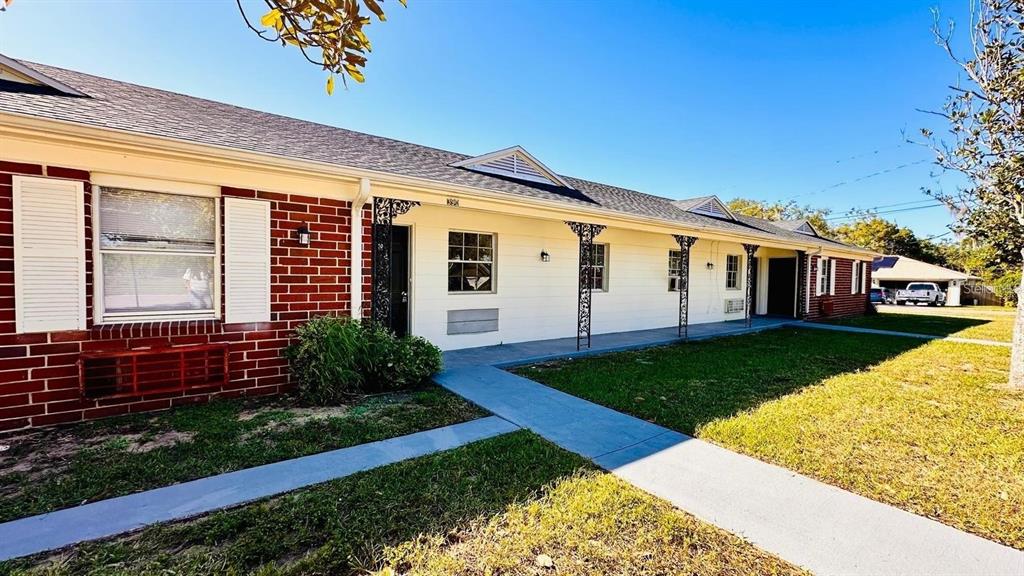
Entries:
{"x":271,"y":19}
{"x":330,"y":84}
{"x":354,"y":73}
{"x":376,"y":9}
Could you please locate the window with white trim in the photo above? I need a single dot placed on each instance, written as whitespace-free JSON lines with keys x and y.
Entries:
{"x":470,"y":262}
{"x":675,"y":265}
{"x":732,"y":272}
{"x":157,"y":256}
{"x":856,"y":273}
{"x":826,"y":276}
{"x":599,"y":268}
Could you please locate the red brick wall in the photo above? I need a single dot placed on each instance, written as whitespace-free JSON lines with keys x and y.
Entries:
{"x":843,"y":302}
{"x":39,"y":373}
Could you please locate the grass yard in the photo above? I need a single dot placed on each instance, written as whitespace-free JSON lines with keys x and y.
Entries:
{"x":985,"y":324}
{"x":928,"y":427}
{"x":48,"y":469}
{"x":479,"y":509}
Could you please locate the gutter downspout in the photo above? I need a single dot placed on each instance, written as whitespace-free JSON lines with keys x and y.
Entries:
{"x":356,"y":247}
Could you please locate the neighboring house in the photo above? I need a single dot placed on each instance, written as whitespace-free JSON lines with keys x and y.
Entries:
{"x":895,"y":272}
{"x":158,"y":248}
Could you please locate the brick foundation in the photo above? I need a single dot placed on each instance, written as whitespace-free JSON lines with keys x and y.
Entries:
{"x":39,"y":373}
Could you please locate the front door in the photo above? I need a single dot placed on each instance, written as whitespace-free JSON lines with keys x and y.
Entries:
{"x":781,"y":286}
{"x":400,"y":280}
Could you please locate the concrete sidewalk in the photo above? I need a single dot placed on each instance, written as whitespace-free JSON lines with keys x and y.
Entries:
{"x":126,"y":513}
{"x":835,"y":328}
{"x":819,"y":527}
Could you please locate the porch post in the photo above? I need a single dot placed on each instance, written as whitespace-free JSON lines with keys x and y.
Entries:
{"x":750,"y":249}
{"x":801,"y":280}
{"x":384,"y":212}
{"x":586,"y":234}
{"x":685,"y":242}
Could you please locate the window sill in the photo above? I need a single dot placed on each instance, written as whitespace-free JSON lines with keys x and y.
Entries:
{"x":116,"y":322}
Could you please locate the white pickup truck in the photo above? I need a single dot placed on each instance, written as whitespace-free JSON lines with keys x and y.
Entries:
{"x":921,"y":292}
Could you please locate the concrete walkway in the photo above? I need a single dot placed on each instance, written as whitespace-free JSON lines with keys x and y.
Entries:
{"x":507,"y":355}
{"x":819,"y":527}
{"x":838,"y":328}
{"x":118,"y":515}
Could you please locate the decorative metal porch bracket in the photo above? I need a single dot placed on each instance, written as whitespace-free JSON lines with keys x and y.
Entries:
{"x":749,"y":249}
{"x":586,"y":233}
{"x":801,"y":289}
{"x":384,"y":212}
{"x":685,"y":243}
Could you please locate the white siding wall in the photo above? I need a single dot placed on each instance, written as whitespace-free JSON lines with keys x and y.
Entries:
{"x":537,"y":300}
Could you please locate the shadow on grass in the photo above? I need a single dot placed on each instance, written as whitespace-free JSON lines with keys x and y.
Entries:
{"x":339,"y":527}
{"x":686,"y":385}
{"x":914,"y":323}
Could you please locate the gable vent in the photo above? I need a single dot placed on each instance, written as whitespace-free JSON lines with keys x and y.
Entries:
{"x":712,"y":208}
{"x":514,"y":162}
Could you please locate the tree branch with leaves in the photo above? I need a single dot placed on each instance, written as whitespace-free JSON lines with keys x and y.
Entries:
{"x":985,"y":112}
{"x":328,"y":33}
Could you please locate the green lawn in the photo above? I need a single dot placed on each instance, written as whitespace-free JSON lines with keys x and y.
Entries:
{"x":960,"y":322}
{"x":929,"y":427}
{"x":479,"y":509}
{"x":54,"y":468}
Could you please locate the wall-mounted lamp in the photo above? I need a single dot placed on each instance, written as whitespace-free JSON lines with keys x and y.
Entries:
{"x":303,"y":234}
{"x":544,"y":256}
{"x":711,"y":265}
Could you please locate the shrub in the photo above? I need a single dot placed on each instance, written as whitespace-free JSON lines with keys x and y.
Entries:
{"x":1006,"y":287}
{"x":335,"y":357}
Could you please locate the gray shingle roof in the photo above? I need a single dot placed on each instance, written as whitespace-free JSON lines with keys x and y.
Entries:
{"x":128,"y":107}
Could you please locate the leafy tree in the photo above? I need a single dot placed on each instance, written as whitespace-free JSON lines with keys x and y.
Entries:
{"x":329,"y":33}
{"x":986,"y":136}
{"x":782,"y":211}
{"x":878,"y":234}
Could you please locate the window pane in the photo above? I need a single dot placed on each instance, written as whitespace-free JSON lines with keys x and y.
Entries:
{"x":472,"y":254}
{"x":156,"y":221}
{"x":454,"y":253}
{"x":455,"y":238}
{"x":484,"y":240}
{"x":157,"y":283}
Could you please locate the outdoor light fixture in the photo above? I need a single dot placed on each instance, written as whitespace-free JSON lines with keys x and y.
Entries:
{"x":544,"y":256}
{"x":303,"y":234}
{"x":711,"y":265}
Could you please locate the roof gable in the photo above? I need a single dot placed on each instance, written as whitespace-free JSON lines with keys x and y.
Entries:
{"x":707,"y":206}
{"x":14,"y":71}
{"x":514,"y":162}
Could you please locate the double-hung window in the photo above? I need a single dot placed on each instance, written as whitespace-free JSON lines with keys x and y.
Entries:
{"x":675,"y":266}
{"x":732,"y":272}
{"x":157,"y":256}
{"x":599,"y":268}
{"x":856,"y":274}
{"x":826,"y":276}
{"x":470,"y":262}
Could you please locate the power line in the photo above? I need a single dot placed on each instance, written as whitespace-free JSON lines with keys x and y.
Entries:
{"x":848,"y":216}
{"x":864,"y":177}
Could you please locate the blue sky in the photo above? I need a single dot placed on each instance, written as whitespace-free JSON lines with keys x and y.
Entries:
{"x":770,"y":100}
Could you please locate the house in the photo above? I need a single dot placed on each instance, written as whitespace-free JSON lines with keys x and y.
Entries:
{"x":159,"y":248}
{"x":895,"y":272}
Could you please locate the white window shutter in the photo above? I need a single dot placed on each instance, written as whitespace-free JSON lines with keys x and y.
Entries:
{"x":854,"y":276}
{"x":49,"y":254}
{"x":247,"y":260}
{"x":831,"y":277}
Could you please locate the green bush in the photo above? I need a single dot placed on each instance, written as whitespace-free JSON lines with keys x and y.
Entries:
{"x":335,"y":357}
{"x":1006,"y":287}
